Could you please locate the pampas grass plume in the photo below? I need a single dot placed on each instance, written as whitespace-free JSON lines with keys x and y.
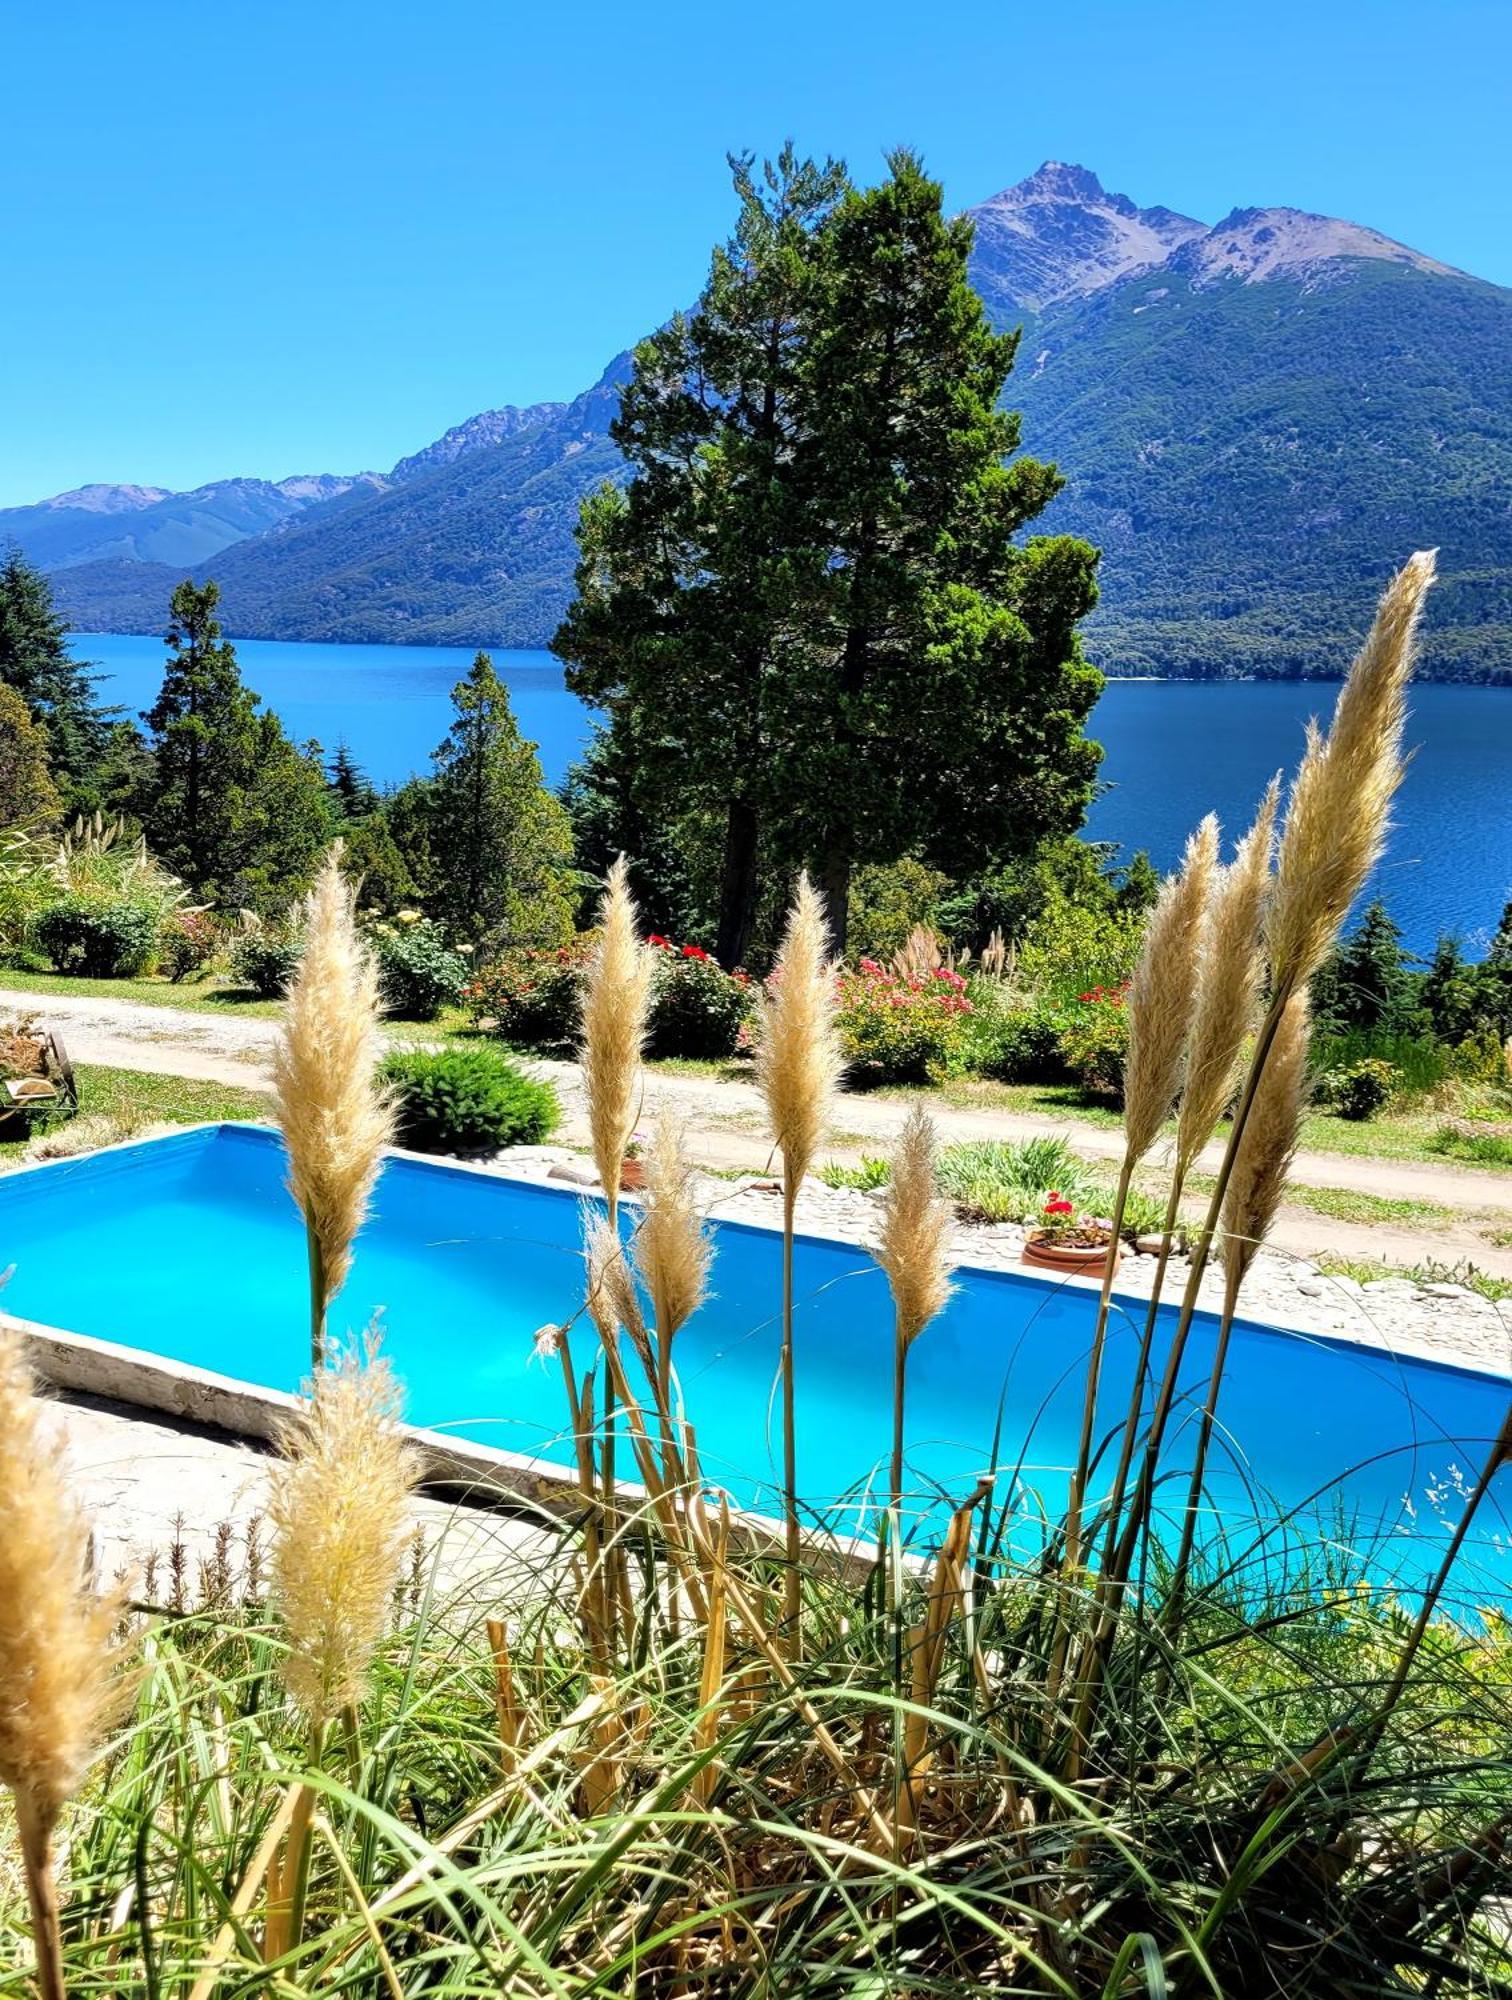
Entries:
{"x":1164,"y":990}
{"x":339,"y":1507}
{"x":1268,"y":1143}
{"x":1340,"y":806}
{"x":336,"y":1119}
{"x":1232,"y":971}
{"x":616,"y":998}
{"x":672,"y":1248}
{"x":798,"y":1051}
{"x":913,"y":1246}
{"x":56,"y":1688}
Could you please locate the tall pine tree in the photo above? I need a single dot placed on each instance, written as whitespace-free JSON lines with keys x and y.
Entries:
{"x":498,"y":845}
{"x":811,"y":607}
{"x":231,"y":806}
{"x":36,"y":661}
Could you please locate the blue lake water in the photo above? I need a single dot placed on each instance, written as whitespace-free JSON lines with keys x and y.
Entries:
{"x":189,"y":1247}
{"x":1175,"y":750}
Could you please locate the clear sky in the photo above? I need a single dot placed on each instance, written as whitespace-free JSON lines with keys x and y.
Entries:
{"x":276,"y":236}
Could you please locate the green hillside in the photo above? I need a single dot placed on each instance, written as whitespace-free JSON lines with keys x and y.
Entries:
{"x":1253,"y":458}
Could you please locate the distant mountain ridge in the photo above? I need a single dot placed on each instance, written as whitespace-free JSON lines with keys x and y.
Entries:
{"x":1256,"y":420}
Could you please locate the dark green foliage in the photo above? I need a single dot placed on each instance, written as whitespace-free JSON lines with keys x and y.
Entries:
{"x":267,"y":957}
{"x":352,"y":791}
{"x":697,"y":1008}
{"x":418,"y":973}
{"x":230,"y":805}
{"x":467,"y":1101}
{"x":498,"y":846}
{"x":1015,"y":1044}
{"x":58,"y":689}
{"x":808,"y":613}
{"x":99,"y":938}
{"x":599,"y":796}
{"x":371,"y":856}
{"x":1363,"y":1089}
{"x":1366,"y":983}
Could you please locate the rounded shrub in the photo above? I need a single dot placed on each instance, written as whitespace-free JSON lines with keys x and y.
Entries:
{"x":897,"y":1030}
{"x":418,"y":972}
{"x":1015,"y":1044}
{"x":266,"y":959}
{"x":98,"y":938}
{"x":467,"y":1101}
{"x":188,"y":944}
{"x":697,"y":1008}
{"x":1094,"y":1039}
{"x":1363,"y":1089}
{"x":530,"y":997}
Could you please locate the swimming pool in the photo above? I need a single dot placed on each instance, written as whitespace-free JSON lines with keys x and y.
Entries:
{"x":190,"y":1248}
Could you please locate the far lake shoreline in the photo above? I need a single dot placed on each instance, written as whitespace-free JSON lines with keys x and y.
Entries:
{"x":1167,"y":759}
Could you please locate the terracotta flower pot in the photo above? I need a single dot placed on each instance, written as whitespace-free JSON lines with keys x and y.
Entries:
{"x":1087,"y":1260}
{"x":633,"y":1175}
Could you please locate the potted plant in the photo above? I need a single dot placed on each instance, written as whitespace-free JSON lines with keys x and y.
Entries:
{"x":633,"y":1167}
{"x":1063,"y":1240}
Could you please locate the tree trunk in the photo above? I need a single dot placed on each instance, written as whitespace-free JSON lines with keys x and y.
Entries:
{"x":834,"y":887}
{"x":739,"y":884}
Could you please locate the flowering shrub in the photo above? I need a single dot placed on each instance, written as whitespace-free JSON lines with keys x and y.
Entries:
{"x":188,"y":944}
{"x":418,"y":973}
{"x":1094,"y":1038}
{"x":697,"y":1008}
{"x":897,"y":1030}
{"x":267,"y":956}
{"x":531,"y":996}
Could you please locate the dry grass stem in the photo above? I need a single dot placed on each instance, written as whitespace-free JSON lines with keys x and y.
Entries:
{"x":336,"y":1120}
{"x":1163,"y":992}
{"x":1340,"y":806}
{"x":1232,"y":973}
{"x":1263,"y":1157}
{"x":616,"y":999}
{"x":798,"y":1051}
{"x":339,"y":1509}
{"x":57,"y":1689}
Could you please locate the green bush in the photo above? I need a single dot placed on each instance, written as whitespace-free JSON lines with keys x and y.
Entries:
{"x":1094,"y":1039}
{"x":697,"y":1008}
{"x":99,"y":939}
{"x":1361,"y":1090}
{"x":530,"y":997}
{"x":467,"y":1101}
{"x":188,"y":944}
{"x":1421,"y":1062}
{"x":1013,"y":1044}
{"x":418,"y":973}
{"x":267,"y":957}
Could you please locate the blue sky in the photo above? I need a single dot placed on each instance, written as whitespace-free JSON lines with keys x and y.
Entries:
{"x":274,"y":237}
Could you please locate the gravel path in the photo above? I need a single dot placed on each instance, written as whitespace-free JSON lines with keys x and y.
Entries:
{"x":725,"y":1124}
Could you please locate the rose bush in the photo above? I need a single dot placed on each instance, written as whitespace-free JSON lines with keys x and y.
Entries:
{"x":531,"y":997}
{"x":697,"y":1008}
{"x":1094,"y":1039}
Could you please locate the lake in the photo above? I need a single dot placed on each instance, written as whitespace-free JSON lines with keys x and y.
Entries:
{"x":1175,"y":750}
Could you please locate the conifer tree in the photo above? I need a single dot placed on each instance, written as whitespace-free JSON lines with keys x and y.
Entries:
{"x":36,"y":661}
{"x":499,"y":845}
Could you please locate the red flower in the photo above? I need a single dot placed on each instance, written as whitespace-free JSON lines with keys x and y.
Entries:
{"x":661,"y":943}
{"x":692,"y":951}
{"x":1058,"y":1205}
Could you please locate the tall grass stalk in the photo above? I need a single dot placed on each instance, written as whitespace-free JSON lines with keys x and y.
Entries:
{"x":56,"y":1685}
{"x":335,"y":1118}
{"x":798,"y":1064}
{"x":913,"y":1248}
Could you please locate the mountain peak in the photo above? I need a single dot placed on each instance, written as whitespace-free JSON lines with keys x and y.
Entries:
{"x":1253,"y":244}
{"x":1060,"y":234}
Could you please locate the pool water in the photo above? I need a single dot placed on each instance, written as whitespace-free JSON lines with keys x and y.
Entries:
{"x":190,"y":1247}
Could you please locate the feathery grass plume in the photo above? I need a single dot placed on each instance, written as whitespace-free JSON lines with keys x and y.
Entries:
{"x":1263,"y":1157}
{"x":672,"y":1247}
{"x":1231,"y":975}
{"x":1163,"y":992}
{"x":56,"y":1685}
{"x":913,"y":1248}
{"x":336,"y":1119}
{"x":798,"y":1060}
{"x":340,"y":1516}
{"x":798,"y":1066}
{"x":1339,"y":810}
{"x":616,"y":998}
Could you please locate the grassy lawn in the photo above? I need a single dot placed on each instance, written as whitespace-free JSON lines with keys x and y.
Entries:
{"x":138,"y":1098}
